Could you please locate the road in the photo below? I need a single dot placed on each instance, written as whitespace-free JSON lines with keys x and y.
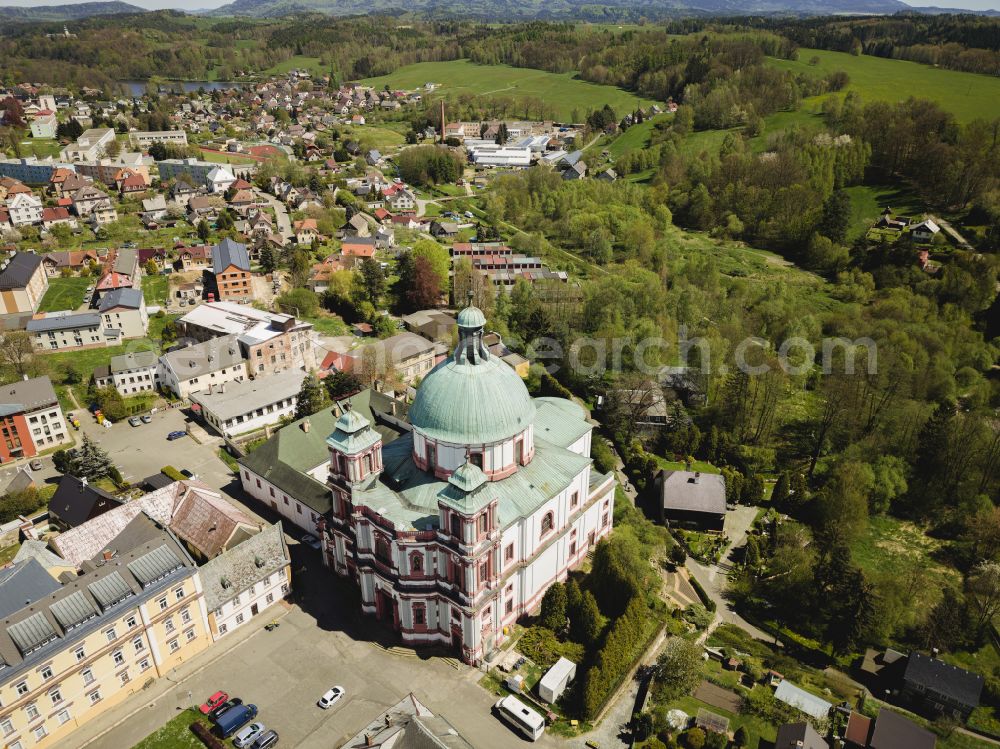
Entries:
{"x":280,"y":212}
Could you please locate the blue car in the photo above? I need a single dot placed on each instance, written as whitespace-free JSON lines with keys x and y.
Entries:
{"x":176,"y":435}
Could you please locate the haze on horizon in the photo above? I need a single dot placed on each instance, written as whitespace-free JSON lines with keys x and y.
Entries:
{"x":208,"y":4}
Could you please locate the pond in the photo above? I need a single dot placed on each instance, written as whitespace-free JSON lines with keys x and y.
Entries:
{"x":138,"y":88}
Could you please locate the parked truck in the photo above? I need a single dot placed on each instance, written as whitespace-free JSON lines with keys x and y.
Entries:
{"x":234,"y":719}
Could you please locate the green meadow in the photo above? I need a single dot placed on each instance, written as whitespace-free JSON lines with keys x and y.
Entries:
{"x":968,"y":95}
{"x":562,"y":91}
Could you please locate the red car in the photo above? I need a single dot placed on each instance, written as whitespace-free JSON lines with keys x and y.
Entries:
{"x":213,"y":702}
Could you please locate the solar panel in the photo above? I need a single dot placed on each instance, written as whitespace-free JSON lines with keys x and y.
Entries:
{"x":73,"y":610}
{"x":110,"y":590}
{"x":32,"y":633}
{"x":154,"y":565}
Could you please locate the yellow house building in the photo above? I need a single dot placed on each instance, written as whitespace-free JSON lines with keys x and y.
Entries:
{"x":23,"y":283}
{"x":69,"y":651}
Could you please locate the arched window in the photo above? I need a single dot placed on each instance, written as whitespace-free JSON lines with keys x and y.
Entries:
{"x":383,"y":551}
{"x":417,"y":564}
{"x":548,"y":521}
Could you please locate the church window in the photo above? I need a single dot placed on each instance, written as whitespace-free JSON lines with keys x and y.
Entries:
{"x":416,"y":564}
{"x":484,"y":523}
{"x":419,"y":617}
{"x":548,"y":521}
{"x":508,"y":553}
{"x":456,"y":526}
{"x":382,"y":549}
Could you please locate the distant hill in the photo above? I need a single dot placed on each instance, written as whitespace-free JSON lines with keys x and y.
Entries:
{"x":557,"y":9}
{"x":67,"y":12}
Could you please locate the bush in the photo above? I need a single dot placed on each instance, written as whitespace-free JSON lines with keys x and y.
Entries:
{"x":604,"y":458}
{"x":544,"y":648}
{"x":172,"y":473}
{"x":694,"y":738}
{"x":15,"y":504}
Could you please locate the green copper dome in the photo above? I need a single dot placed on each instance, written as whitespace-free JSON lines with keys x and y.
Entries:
{"x":472,"y":397}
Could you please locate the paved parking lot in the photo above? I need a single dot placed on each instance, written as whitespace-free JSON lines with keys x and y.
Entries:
{"x":321,"y":641}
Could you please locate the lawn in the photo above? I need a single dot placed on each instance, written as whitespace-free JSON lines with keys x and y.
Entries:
{"x":675,"y":465}
{"x":64,"y":294}
{"x":155,"y":289}
{"x":561,"y":91}
{"x":756,"y":727}
{"x":370,"y":136}
{"x":312,"y":64}
{"x":868,"y":202}
{"x":968,"y":95}
{"x":328,"y":324}
{"x":176,"y":734}
{"x":225,"y":158}
{"x":636,"y":137}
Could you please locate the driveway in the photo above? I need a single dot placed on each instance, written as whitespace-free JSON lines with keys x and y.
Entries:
{"x":714,"y":578}
{"x":321,"y":641}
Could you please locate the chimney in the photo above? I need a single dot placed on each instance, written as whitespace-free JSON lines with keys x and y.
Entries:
{"x":306,"y":426}
{"x":368,"y":740}
{"x":107,"y":555}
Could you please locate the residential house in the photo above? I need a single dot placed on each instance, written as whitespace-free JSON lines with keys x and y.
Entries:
{"x":408,"y":355}
{"x":143,"y":140}
{"x":219,"y":179}
{"x":358,"y":247}
{"x":44,"y":124}
{"x":231,"y":268}
{"x":444,"y":229}
{"x":73,"y":651}
{"x":124,"y":273}
{"x":305,"y":231}
{"x":23,"y":283}
{"x":692,"y":499}
{"x":65,"y":330}
{"x":88,"y":200}
{"x":24,"y":210}
{"x":270,"y":342}
{"x":131,"y":373}
{"x":357,"y":225}
{"x":925,"y":231}
{"x":936,"y":687}
{"x":77,"y":501}
{"x":52,"y":217}
{"x":402,"y":200}
{"x":202,"y":366}
{"x":246,"y":580}
{"x":31,"y":419}
{"x":154,"y":208}
{"x":799,"y":736}
{"x":242,"y":407}
{"x":181,"y":191}
{"x":124,"y":311}
{"x":194,"y":258}
{"x":72,"y":260}
{"x":90,"y":146}
{"x":888,"y":730}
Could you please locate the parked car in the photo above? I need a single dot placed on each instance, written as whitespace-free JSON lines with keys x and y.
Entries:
{"x":331,"y":697}
{"x":266,"y":741}
{"x":221,"y":709}
{"x":234,"y":719}
{"x":248,"y":735}
{"x":146,"y":419}
{"x":310,"y":540}
{"x":35,"y":465}
{"x":213,"y":702}
{"x":134,"y":421}
{"x":176,"y":436}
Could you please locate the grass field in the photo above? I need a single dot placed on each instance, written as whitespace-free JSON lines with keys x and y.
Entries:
{"x":868,"y":202}
{"x":636,"y":137}
{"x":295,"y":62}
{"x":968,"y":95}
{"x":561,"y":91}
{"x":64,"y":293}
{"x":225,"y":158}
{"x":155,"y":289}
{"x":372,"y":136}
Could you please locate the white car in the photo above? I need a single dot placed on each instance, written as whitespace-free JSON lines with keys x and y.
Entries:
{"x":310,"y":540}
{"x":331,"y":698}
{"x":248,"y":734}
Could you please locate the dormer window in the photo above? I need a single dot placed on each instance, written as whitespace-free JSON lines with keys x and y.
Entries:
{"x":476,"y":459}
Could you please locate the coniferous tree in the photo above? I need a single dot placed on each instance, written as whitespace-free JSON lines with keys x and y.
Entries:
{"x":92,"y":461}
{"x":312,"y":397}
{"x":553,"y":610}
{"x":779,"y":494}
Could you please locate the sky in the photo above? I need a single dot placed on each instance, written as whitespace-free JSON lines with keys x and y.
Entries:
{"x":205,"y":4}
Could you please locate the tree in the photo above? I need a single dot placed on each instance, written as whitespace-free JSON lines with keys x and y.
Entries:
{"x":341,"y":384}
{"x":779,"y":494}
{"x":694,"y":738}
{"x":312,"y":397}
{"x":371,"y":280}
{"x":587,"y":623}
{"x":13,"y":112}
{"x":836,"y":217}
{"x":678,"y":669}
{"x":268,"y":259}
{"x":983,"y":593}
{"x":426,"y":285}
{"x":17,"y":351}
{"x":62,"y":461}
{"x":111,"y":403}
{"x":92,"y":461}
{"x":553,"y":609}
{"x":151,"y":268}
{"x":300,"y":302}
{"x":204,"y":231}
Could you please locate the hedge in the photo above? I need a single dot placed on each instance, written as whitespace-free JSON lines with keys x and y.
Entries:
{"x":172,"y":473}
{"x":708,"y":602}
